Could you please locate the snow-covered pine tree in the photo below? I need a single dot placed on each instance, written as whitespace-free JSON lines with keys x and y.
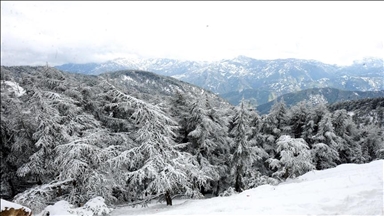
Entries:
{"x":256,"y":122}
{"x":371,"y":142}
{"x":208,"y":141}
{"x":294,"y":158}
{"x":83,"y":161}
{"x":258,"y":140}
{"x":59,"y":121}
{"x":298,"y":119}
{"x":275,"y":124}
{"x":77,"y":167}
{"x":155,"y":167}
{"x":346,"y":131}
{"x":325,"y":148}
{"x":48,"y":134}
{"x":178,"y":109}
{"x":245,"y":152}
{"x":304,"y":120}
{"x":311,"y":127}
{"x":16,"y":138}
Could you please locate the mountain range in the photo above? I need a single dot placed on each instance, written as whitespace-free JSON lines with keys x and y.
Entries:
{"x":259,"y":81}
{"x":320,"y":95}
{"x":158,"y":89}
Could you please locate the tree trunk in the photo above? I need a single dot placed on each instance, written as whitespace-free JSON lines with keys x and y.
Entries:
{"x":13,"y":189}
{"x":217,"y":188}
{"x":239,"y":181}
{"x":286,"y":174}
{"x":168,"y":198}
{"x":238,"y":184}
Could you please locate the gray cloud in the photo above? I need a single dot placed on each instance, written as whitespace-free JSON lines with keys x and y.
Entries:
{"x":79,"y":32}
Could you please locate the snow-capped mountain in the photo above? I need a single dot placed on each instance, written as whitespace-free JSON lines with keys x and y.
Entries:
{"x":260,"y":80}
{"x":167,"y":67}
{"x":320,"y":95}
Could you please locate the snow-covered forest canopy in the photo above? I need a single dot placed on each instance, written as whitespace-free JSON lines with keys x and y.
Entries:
{"x":76,"y":137}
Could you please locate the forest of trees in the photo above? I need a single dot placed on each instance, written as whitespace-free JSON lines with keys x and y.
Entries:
{"x":74,"y":137}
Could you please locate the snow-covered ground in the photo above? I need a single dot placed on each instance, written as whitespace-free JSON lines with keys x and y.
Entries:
{"x":348,"y":189}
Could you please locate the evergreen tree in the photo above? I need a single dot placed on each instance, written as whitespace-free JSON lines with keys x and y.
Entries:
{"x":325,"y":150}
{"x":16,"y":141}
{"x":275,"y":124}
{"x":371,"y":140}
{"x":178,"y":109}
{"x":155,"y":167}
{"x":295,"y":158}
{"x":304,"y":120}
{"x":349,"y":150}
{"x":298,"y":119}
{"x":208,"y":140}
{"x":49,"y":133}
{"x":245,"y":153}
{"x":83,"y":161}
{"x":311,"y":127}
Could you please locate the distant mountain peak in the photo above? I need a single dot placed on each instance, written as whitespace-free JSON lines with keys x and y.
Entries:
{"x":242,"y":58}
{"x":370,"y":62}
{"x":238,"y":77}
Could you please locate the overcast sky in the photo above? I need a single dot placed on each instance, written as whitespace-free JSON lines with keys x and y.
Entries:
{"x":33,"y":33}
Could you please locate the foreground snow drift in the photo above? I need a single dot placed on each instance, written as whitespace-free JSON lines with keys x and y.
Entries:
{"x":346,"y":189}
{"x":95,"y":206}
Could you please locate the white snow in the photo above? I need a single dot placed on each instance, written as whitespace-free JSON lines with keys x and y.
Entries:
{"x":95,"y":206}
{"x":317,"y":98}
{"x":59,"y":208}
{"x":15,"y":87}
{"x":181,"y":76}
{"x":127,"y":78}
{"x":348,"y":189}
{"x":8,"y":205}
{"x":373,"y":82}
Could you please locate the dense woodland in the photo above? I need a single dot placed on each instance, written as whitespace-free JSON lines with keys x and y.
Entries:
{"x":74,"y":137}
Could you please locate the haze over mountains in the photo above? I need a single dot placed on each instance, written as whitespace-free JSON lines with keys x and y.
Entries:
{"x":259,"y":81}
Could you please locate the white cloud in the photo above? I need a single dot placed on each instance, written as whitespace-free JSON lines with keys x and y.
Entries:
{"x":61,"y":32}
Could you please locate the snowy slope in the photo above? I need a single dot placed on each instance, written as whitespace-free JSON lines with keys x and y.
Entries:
{"x":348,"y":189}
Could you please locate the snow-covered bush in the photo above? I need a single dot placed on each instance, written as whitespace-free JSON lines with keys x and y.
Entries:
{"x":255,"y":178}
{"x":324,"y":156}
{"x":38,"y":197}
{"x":61,"y":207}
{"x":94,"y":207}
{"x":230,"y":191}
{"x":294,"y":158}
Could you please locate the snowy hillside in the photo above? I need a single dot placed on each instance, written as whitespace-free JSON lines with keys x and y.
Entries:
{"x":347,"y":189}
{"x":73,"y":138}
{"x":149,"y":85}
